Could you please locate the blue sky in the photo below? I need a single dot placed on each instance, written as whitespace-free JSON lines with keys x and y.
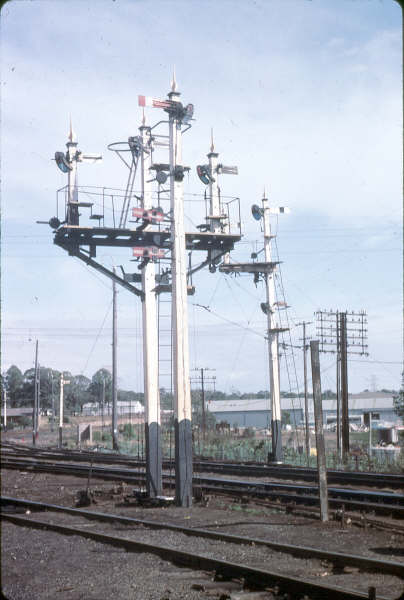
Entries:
{"x":305,"y":97}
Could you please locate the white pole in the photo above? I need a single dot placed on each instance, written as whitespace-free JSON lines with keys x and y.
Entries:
{"x":150,"y":342}
{"x":272,"y":342}
{"x":72,"y":210}
{"x":114,"y":369}
{"x":214,"y":197}
{"x":61,"y":411}
{"x":182,"y":391}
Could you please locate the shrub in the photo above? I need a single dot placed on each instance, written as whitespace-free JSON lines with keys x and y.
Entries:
{"x":128,"y":431}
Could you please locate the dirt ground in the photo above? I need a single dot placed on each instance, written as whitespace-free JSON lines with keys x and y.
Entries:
{"x":46,"y":565}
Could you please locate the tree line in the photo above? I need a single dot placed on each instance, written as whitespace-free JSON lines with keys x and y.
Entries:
{"x":80,"y":390}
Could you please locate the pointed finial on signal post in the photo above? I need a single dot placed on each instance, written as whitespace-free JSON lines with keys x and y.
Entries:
{"x":173,"y":82}
{"x":212,"y":146}
{"x":264,"y":196}
{"x":72,"y":135}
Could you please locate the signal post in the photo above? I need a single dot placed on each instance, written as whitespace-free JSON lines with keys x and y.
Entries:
{"x":182,"y":388}
{"x":273,"y":332}
{"x":150,"y":339}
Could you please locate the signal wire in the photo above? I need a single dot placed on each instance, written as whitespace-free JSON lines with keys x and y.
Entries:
{"x":97,"y":337}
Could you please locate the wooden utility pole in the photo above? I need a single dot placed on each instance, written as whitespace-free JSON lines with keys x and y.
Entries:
{"x":306,"y":401}
{"x":338,"y":386}
{"x":114,"y":371}
{"x":4,"y":409}
{"x":203,"y":406}
{"x":36,"y":399}
{"x":344,"y":388}
{"x":318,"y":420}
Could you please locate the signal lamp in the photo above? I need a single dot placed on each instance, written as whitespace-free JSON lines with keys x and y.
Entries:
{"x":256,"y":212}
{"x":62,"y":162}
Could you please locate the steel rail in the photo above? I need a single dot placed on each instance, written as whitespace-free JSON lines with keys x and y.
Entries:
{"x":254,"y":576}
{"x":336,"y":558}
{"x":338,"y":497}
{"x":344,"y":493}
{"x":392,"y":480}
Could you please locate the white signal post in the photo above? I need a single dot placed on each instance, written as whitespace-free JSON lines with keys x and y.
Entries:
{"x":182,"y":388}
{"x":273,"y":332}
{"x":215,"y":212}
{"x":73,"y":156}
{"x":216,"y":215}
{"x":73,"y":211}
{"x":150,"y":339}
{"x":62,"y":384}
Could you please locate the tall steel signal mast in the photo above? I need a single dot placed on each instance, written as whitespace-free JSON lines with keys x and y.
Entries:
{"x":266,"y":270}
{"x":273,"y":332}
{"x":179,"y":311}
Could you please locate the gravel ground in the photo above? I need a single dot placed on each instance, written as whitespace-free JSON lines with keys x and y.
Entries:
{"x":43,"y":564}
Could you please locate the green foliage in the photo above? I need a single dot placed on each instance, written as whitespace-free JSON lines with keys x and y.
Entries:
{"x":13,"y":382}
{"x":129,"y":396}
{"x":128,"y":431}
{"x":99,"y":436}
{"x":285,"y":417}
{"x":399,"y":401}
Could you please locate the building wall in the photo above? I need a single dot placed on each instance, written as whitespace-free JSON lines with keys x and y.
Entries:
{"x":254,"y":418}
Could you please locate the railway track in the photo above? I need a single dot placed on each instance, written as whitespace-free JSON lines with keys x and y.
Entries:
{"x":363,"y":500}
{"x":357,"y":478}
{"x":223,"y":569}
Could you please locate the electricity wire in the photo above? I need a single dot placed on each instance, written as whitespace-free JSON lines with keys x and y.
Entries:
{"x":96,"y":338}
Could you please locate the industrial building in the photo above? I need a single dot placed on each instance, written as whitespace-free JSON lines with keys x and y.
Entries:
{"x":255,"y":412}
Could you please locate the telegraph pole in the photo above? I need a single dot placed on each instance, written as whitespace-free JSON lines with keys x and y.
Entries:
{"x":273,"y":350}
{"x":5,"y":408}
{"x":318,"y":418}
{"x":114,"y":370}
{"x":36,"y":399}
{"x":202,"y":380}
{"x":182,"y":390}
{"x":150,"y":339}
{"x":306,"y":401}
{"x":344,"y":388}
{"x":338,"y":386}
{"x":332,"y":327}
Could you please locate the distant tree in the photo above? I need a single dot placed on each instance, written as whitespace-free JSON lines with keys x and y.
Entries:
{"x":49,"y":382}
{"x":328,"y":395}
{"x":129,"y":396}
{"x":77,"y":392}
{"x":14,"y":381}
{"x":96,"y":388}
{"x":217,"y":395}
{"x":166,"y":399}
